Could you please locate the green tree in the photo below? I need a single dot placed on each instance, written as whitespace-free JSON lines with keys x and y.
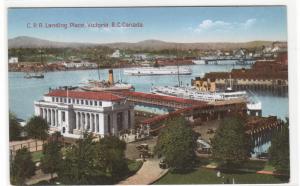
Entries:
{"x":280,"y":151}
{"x":177,"y":144}
{"x":80,"y":165}
{"x":230,"y":145}
{"x":52,"y":158}
{"x":94,"y":162}
{"x":111,"y":152}
{"x":37,"y":128}
{"x":22,"y":167}
{"x":14,"y":128}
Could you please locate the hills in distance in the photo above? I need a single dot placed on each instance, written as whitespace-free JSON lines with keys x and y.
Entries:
{"x":32,"y":42}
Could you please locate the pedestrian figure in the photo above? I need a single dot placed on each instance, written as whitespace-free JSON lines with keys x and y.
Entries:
{"x":219,"y":174}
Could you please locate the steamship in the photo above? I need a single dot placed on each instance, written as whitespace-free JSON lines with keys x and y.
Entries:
{"x":205,"y":90}
{"x":168,"y":70}
{"x":191,"y":92}
{"x":110,"y":85}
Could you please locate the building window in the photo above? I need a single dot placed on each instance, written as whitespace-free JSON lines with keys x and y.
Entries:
{"x":65,"y":100}
{"x":81,"y":102}
{"x":73,"y":101}
{"x":91,"y":102}
{"x":77,"y":101}
{"x":53,"y":99}
{"x":56,"y":99}
{"x":86,"y":102}
{"x":63,"y":116}
{"x":69,"y":100}
{"x":96,"y":103}
{"x":60,"y":99}
{"x":100,"y":103}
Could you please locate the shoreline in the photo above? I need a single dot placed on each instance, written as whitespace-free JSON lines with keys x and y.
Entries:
{"x":82,"y":69}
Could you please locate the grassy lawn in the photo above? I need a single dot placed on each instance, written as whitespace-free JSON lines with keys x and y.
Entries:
{"x":208,"y":176}
{"x":134,"y":166}
{"x":269,"y":167}
{"x":36,"y":156}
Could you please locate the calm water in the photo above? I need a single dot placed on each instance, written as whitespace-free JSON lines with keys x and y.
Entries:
{"x":23,"y":92}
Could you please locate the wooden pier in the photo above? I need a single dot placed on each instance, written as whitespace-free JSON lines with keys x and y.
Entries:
{"x":198,"y":113}
{"x":261,"y":129}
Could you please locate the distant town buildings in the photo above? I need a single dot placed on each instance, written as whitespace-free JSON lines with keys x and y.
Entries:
{"x":74,"y":112}
{"x":13,"y":60}
{"x":79,"y":64}
{"x":116,"y":54}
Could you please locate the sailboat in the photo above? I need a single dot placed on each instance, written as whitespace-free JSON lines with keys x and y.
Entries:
{"x":35,"y":74}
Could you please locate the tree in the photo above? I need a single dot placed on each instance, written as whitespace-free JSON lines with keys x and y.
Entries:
{"x":80,"y":165}
{"x":52,"y":158}
{"x":112,"y":153}
{"x":14,"y":128}
{"x":230,"y":145}
{"x":22,"y":167}
{"x":280,"y":151}
{"x":37,"y":128}
{"x":177,"y":144}
{"x":94,"y":162}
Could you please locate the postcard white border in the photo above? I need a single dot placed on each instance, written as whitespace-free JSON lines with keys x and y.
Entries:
{"x":293,"y":56}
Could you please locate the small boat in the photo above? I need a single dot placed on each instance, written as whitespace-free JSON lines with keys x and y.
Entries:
{"x":36,"y":75}
{"x":199,"y":62}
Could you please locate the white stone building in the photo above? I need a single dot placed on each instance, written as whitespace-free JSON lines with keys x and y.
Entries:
{"x":79,"y":64}
{"x":12,"y":60}
{"x":73,"y":112}
{"x":116,"y":54}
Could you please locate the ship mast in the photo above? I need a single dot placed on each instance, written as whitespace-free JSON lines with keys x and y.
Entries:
{"x":230,"y":83}
{"x":178,"y":78}
{"x":98,"y":63}
{"x":42,"y":59}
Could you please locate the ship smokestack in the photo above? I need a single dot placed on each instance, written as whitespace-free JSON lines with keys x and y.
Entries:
{"x":111,"y":76}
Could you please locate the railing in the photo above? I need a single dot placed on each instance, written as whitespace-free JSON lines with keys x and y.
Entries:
{"x":31,"y":145}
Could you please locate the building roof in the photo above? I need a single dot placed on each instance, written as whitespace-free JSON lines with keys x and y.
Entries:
{"x":103,"y":96}
{"x":163,"y":98}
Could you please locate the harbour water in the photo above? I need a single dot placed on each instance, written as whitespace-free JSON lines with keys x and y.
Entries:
{"x":23,"y":92}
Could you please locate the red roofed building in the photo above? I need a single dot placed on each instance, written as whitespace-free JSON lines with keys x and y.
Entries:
{"x":73,"y":112}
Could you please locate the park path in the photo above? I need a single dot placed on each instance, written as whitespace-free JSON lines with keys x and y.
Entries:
{"x":148,"y":173}
{"x":39,"y":176}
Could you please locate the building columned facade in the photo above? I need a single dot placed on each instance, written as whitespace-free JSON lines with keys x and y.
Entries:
{"x":74,"y":112}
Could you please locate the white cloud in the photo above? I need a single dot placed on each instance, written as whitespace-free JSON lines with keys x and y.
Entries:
{"x":220,"y":25}
{"x":249,"y":23}
{"x":209,"y":24}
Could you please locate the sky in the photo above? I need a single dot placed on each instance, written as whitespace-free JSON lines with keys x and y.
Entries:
{"x":173,"y":24}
